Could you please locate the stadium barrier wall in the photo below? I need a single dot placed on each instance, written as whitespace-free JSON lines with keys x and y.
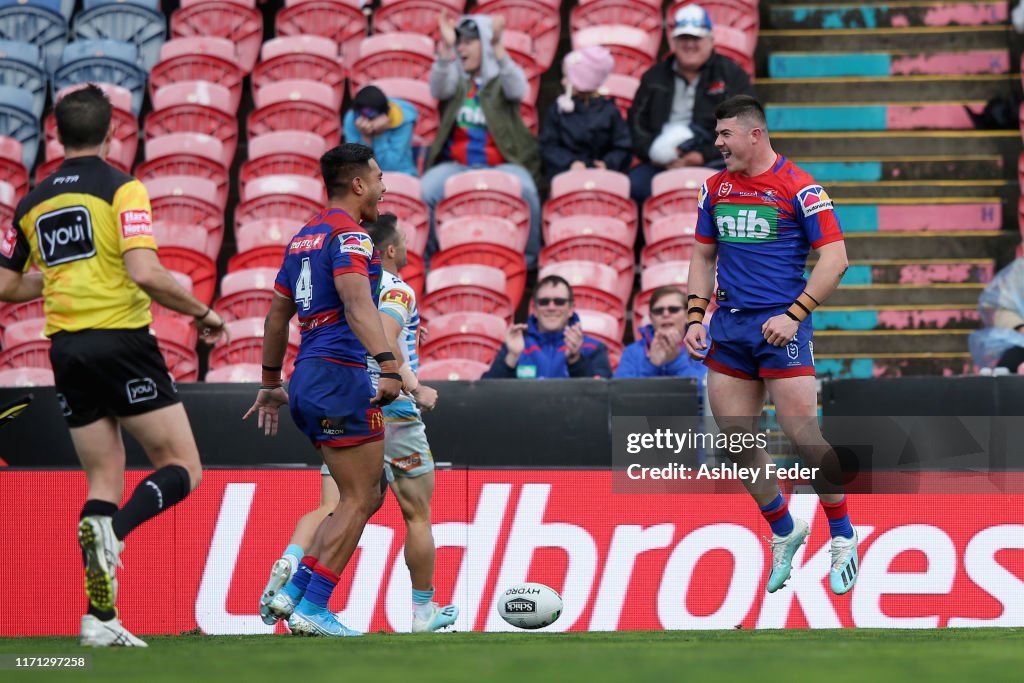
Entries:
{"x":623,"y":562}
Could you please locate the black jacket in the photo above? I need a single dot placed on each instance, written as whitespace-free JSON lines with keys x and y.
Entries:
{"x":593,"y":131}
{"x":720,"y":79}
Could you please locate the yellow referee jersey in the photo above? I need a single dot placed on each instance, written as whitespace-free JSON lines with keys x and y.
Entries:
{"x":75,"y":226}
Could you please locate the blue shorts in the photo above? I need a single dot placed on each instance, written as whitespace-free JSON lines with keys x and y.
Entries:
{"x":330,"y":403}
{"x":738,"y":347}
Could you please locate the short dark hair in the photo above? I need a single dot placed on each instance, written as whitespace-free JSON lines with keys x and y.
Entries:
{"x":383,"y":231}
{"x":553,"y":280}
{"x":667,"y":290}
{"x":342,"y":164}
{"x":83,"y":118}
{"x":742,"y":107}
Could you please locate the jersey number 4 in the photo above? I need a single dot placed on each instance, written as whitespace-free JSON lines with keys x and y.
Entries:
{"x":304,"y":286}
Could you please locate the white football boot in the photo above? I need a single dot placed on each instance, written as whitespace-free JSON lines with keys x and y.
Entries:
{"x":440,"y":617}
{"x":96,"y":633}
{"x":279,"y":575}
{"x":102,"y":553}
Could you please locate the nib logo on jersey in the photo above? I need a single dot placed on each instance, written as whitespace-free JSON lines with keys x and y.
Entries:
{"x":746,"y":223}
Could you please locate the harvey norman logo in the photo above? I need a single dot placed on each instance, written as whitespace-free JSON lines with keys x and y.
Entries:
{"x":746,"y":223}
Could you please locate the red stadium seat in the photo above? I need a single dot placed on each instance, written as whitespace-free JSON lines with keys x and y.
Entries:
{"x":243,"y":373}
{"x":591,"y":192}
{"x":248,"y":279}
{"x":605,"y":328}
{"x":678,"y":248}
{"x":484,"y":193}
{"x":663,"y":274}
{"x":520,"y":48}
{"x":115,"y":156}
{"x":643,"y":15}
{"x":198,"y":58}
{"x":196,"y":265}
{"x":23,"y":331}
{"x":634,"y":50}
{"x":299,"y":44}
{"x":482,"y":240}
{"x":593,"y":284}
{"x":297,"y":90}
{"x":186,"y":165}
{"x":175,"y":329}
{"x":195,"y":118}
{"x":672,"y":225}
{"x":559,"y":229}
{"x":188,"y":236}
{"x":411,"y":16}
{"x":265,"y":233}
{"x":451,"y":369}
{"x":182,"y":361}
{"x":528,"y":112}
{"x":296,"y":105}
{"x":26,"y":377}
{"x":187,"y":144}
{"x":276,"y":164}
{"x":622,"y":89}
{"x":392,"y":55}
{"x":189,"y":201}
{"x":33,"y":354}
{"x":466,"y":288}
{"x":472,"y":335}
{"x":296,"y":142}
{"x":596,"y":249}
{"x":674,"y":191}
{"x":416,"y":93}
{"x":403,"y":199}
{"x":203,"y":93}
{"x":305,"y":187}
{"x":737,"y":46}
{"x":295,"y":66}
{"x":532,"y":17}
{"x":281,"y":206}
{"x":246,"y":345}
{"x":342,"y":21}
{"x":241,"y":24}
{"x":12,"y":169}
{"x":25,"y":310}
{"x":247,"y":293}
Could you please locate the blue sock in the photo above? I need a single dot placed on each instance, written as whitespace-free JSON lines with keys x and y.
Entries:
{"x":321,"y":586}
{"x":299,"y":582}
{"x":776,"y":513}
{"x":422,"y":597}
{"x":838,"y":519}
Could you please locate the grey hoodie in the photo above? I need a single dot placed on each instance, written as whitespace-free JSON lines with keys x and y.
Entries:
{"x":445,"y":74}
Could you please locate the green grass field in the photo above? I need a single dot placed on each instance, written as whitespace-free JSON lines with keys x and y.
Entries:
{"x":858,"y":656}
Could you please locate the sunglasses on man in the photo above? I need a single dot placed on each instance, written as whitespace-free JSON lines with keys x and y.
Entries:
{"x":666,"y":310}
{"x":549,"y":300}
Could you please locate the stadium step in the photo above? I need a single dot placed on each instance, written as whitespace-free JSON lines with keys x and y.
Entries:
{"x":972,"y":192}
{"x":918,"y":271}
{"x":847,"y":116}
{"x":830,"y":170}
{"x":894,"y":89}
{"x":867,"y":366}
{"x":888,"y":63}
{"x":907,"y":40}
{"x":932,"y":214}
{"x":878,"y":342}
{"x":840,"y":15}
{"x":896,"y":317}
{"x":944,"y":294}
{"x":998,"y":244}
{"x":812,"y":144}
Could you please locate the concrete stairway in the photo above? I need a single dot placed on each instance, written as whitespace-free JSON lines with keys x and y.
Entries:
{"x":871,"y":98}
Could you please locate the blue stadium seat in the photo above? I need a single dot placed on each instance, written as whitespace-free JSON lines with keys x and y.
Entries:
{"x":39,"y":22}
{"x":102,"y":61}
{"x":21,"y":66}
{"x":18,"y":121}
{"x":133,"y":22}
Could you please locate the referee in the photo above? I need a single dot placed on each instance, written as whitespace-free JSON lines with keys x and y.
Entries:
{"x":89,"y":230}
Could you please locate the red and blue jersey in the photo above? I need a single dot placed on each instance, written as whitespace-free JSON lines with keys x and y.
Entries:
{"x":471,"y":143}
{"x":764,"y":227}
{"x":330,"y":244}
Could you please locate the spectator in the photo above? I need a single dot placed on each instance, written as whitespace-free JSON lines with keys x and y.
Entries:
{"x":386,"y":126}
{"x":582,"y":129}
{"x":1001,"y":306}
{"x":479,"y":89}
{"x":672,"y":119}
{"x":551,"y":343}
{"x":659,"y":352}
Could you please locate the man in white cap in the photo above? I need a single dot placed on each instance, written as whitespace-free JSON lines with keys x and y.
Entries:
{"x":672,"y":118}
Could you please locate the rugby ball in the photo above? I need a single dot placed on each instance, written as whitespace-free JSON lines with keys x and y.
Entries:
{"x":530,"y":605}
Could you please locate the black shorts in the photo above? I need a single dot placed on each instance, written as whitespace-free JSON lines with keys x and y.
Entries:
{"x":101,"y":373}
